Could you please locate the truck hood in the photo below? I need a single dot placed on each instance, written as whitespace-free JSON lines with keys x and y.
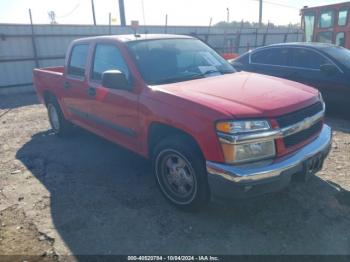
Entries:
{"x":245,"y":94}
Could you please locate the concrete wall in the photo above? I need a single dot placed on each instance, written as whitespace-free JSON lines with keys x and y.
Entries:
{"x":17,"y":55}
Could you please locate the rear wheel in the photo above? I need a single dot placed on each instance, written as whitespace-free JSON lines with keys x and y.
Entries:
{"x":58,"y":123}
{"x":180,"y":172}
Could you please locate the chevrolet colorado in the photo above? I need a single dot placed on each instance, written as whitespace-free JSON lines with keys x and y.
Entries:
{"x":209,"y":131}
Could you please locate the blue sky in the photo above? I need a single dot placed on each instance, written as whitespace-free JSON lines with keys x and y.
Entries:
{"x":180,"y":12}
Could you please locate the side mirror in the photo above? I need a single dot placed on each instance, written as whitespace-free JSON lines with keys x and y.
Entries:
{"x":115,"y":79}
{"x":328,"y":69}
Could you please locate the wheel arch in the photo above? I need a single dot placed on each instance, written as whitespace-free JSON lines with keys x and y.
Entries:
{"x":158,"y":131}
{"x":48,"y":96}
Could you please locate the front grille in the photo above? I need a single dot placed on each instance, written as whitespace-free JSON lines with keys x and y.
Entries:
{"x":303,"y":135}
{"x":297,"y":116}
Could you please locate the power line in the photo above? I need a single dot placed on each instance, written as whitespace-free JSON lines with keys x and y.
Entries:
{"x":278,"y":4}
{"x":70,"y":12}
{"x":283,"y":5}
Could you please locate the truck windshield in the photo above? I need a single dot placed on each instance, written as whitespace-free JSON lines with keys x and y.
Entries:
{"x":162,"y":61}
{"x":340,"y":54}
{"x":309,"y":24}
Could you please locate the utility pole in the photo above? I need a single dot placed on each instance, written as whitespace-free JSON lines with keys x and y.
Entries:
{"x":122,"y":13}
{"x":93,"y":11}
{"x":166,"y":23}
{"x":228,"y":15}
{"x":110,"y":23}
{"x":260,"y":12}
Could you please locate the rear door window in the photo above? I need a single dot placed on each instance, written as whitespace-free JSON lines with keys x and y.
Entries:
{"x":272,"y":56}
{"x":78,"y":59}
{"x":304,"y":58}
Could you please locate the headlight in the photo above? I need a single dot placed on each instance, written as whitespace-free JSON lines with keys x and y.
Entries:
{"x":233,"y":127}
{"x":248,"y":152}
{"x":239,"y":153}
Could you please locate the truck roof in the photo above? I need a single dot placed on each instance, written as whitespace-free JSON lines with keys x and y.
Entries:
{"x":340,"y":5}
{"x":132,"y":37}
{"x":313,"y":45}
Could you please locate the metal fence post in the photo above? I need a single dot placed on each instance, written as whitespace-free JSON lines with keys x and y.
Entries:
{"x":238,"y":41}
{"x":265,"y":35}
{"x":238,"y":37}
{"x":286,"y":34}
{"x":209,"y":27}
{"x":33,"y":40}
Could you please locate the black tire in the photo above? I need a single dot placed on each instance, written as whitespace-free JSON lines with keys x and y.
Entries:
{"x":59,"y":124}
{"x":187,"y":186}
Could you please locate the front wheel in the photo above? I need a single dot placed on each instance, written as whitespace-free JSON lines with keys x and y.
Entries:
{"x":181,"y":173}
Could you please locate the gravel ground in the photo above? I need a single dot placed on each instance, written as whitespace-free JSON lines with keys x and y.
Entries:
{"x":84,"y":195}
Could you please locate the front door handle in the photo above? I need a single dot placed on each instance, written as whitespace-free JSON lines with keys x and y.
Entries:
{"x":66,"y":85}
{"x":91,"y":91}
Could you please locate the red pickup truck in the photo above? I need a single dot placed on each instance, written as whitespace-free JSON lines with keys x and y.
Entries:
{"x":209,"y":130}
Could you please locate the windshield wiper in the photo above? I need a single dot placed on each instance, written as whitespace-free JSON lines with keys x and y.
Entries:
{"x":190,"y":77}
{"x":223,"y":72}
{"x":211,"y":71}
{"x":179,"y":79}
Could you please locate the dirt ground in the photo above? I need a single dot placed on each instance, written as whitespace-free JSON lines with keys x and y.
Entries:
{"x":84,"y":195}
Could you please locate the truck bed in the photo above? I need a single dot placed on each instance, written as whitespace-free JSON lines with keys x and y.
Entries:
{"x":48,"y":79}
{"x":56,"y":69}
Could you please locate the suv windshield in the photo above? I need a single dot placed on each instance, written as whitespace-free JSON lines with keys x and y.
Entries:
{"x":340,"y":54}
{"x":163,"y":61}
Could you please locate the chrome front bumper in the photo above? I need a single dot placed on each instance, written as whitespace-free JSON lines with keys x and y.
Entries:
{"x":222,"y":176}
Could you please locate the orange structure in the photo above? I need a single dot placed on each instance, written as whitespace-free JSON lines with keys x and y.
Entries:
{"x":327,"y":24}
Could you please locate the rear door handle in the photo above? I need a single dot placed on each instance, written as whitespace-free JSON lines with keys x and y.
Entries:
{"x":66,"y":85}
{"x":91,"y":91}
